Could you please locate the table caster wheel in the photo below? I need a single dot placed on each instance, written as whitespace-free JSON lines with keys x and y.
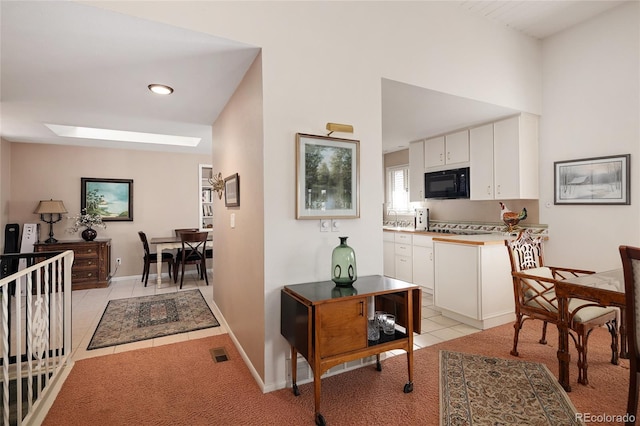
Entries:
{"x":295,"y":390}
{"x":379,"y":366}
{"x":320,"y":421}
{"x":408,"y":387}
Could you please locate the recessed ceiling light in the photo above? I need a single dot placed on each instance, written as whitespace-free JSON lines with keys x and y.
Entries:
{"x":160,"y":89}
{"x":121,"y":135}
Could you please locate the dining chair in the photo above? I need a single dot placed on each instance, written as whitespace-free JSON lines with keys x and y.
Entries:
{"x":178,"y":231}
{"x":534,"y":293}
{"x":150,"y":258}
{"x":631,"y":270}
{"x":192,"y":252}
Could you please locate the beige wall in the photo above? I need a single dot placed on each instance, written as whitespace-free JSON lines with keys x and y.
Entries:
{"x":165,"y":191}
{"x":238,"y":265}
{"x":591,"y":109}
{"x":5,"y":186}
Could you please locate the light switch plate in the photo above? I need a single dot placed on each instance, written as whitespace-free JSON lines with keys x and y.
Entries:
{"x":232,"y":219}
{"x":335,"y":225}
{"x":325,"y":224}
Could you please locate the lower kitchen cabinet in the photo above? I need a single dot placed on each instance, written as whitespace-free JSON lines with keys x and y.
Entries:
{"x":389,"y":254}
{"x":409,"y":257}
{"x":422,"y":262}
{"x":92,"y":261}
{"x":474,"y":284}
{"x":403,"y":257}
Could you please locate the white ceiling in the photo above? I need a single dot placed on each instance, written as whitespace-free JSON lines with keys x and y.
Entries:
{"x":73,"y":64}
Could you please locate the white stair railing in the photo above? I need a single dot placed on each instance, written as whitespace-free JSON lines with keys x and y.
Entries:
{"x":35,"y":336}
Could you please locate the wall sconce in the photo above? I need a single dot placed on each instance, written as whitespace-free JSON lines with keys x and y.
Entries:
{"x":51,"y":208}
{"x":335,"y":127}
{"x":217,"y":183}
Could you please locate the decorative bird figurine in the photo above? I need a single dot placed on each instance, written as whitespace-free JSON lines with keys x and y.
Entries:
{"x":511,"y":219}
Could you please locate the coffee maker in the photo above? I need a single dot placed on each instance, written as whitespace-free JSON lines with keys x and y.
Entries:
{"x":422,"y":219}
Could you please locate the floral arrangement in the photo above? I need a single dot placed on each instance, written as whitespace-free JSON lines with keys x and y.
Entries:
{"x":86,"y":220}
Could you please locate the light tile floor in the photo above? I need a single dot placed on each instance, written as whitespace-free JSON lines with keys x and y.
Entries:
{"x":88,"y":306}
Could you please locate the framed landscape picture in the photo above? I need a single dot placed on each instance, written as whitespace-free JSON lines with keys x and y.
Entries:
{"x":599,"y":180}
{"x":327,"y":177}
{"x":111,"y":199}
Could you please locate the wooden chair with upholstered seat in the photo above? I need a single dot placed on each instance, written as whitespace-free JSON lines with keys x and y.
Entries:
{"x":631,"y":269}
{"x":192,"y":253}
{"x":150,"y":258}
{"x":534,"y":292}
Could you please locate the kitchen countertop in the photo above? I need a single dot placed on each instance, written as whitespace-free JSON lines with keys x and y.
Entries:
{"x":472,"y":239}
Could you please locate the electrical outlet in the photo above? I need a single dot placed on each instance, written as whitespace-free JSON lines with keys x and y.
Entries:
{"x":119,"y":261}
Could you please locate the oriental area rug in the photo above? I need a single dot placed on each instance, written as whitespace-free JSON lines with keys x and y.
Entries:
{"x":478,"y":390}
{"x":147,"y":317}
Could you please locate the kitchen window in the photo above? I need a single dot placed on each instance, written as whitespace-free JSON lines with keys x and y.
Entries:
{"x":398,"y":188}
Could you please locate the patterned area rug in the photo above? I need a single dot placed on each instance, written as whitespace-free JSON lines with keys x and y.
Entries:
{"x":147,"y":317}
{"x":477,"y":390}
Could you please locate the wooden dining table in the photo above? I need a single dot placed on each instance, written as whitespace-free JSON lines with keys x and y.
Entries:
{"x":169,"y":243}
{"x":604,"y":289}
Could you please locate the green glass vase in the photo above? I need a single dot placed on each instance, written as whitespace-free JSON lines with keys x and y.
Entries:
{"x":343,"y":264}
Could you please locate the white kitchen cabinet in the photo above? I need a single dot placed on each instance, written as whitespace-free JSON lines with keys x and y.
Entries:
{"x":449,"y":150}
{"x":481,"y":167}
{"x":423,"y":274}
{"x":416,"y":171}
{"x":389,"y":254}
{"x":403,"y":257}
{"x":473,"y":283}
{"x":434,"y":152}
{"x":504,"y":159}
{"x":515,"y":153}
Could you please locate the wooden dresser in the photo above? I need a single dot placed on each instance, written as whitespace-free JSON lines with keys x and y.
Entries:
{"x":92,"y":261}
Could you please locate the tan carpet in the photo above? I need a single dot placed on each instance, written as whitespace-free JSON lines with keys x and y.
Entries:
{"x":179,"y":384}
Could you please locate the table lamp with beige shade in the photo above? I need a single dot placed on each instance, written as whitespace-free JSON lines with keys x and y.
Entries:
{"x":50,"y":208}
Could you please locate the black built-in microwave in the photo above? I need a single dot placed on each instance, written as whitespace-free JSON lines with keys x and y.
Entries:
{"x":452,"y":183}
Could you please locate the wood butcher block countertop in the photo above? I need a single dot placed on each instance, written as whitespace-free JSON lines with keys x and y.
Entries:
{"x":472,"y":239}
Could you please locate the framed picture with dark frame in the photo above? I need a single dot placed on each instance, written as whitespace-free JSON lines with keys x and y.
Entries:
{"x":327,"y":177}
{"x":598,"y":180}
{"x":111,"y":199}
{"x":232,"y":191}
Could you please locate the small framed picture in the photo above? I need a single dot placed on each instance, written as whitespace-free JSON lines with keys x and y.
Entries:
{"x":600,"y":180}
{"x":232,"y":191}
{"x":111,"y":199}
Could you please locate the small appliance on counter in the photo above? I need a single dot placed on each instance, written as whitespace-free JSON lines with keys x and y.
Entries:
{"x":422,"y":219}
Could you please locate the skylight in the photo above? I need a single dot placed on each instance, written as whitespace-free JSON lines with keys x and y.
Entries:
{"x":121,"y":135}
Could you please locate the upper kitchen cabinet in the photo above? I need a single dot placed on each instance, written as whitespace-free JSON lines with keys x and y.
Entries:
{"x":481,"y":168}
{"x":504,"y":159}
{"x":416,"y":171}
{"x":448,"y":150}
